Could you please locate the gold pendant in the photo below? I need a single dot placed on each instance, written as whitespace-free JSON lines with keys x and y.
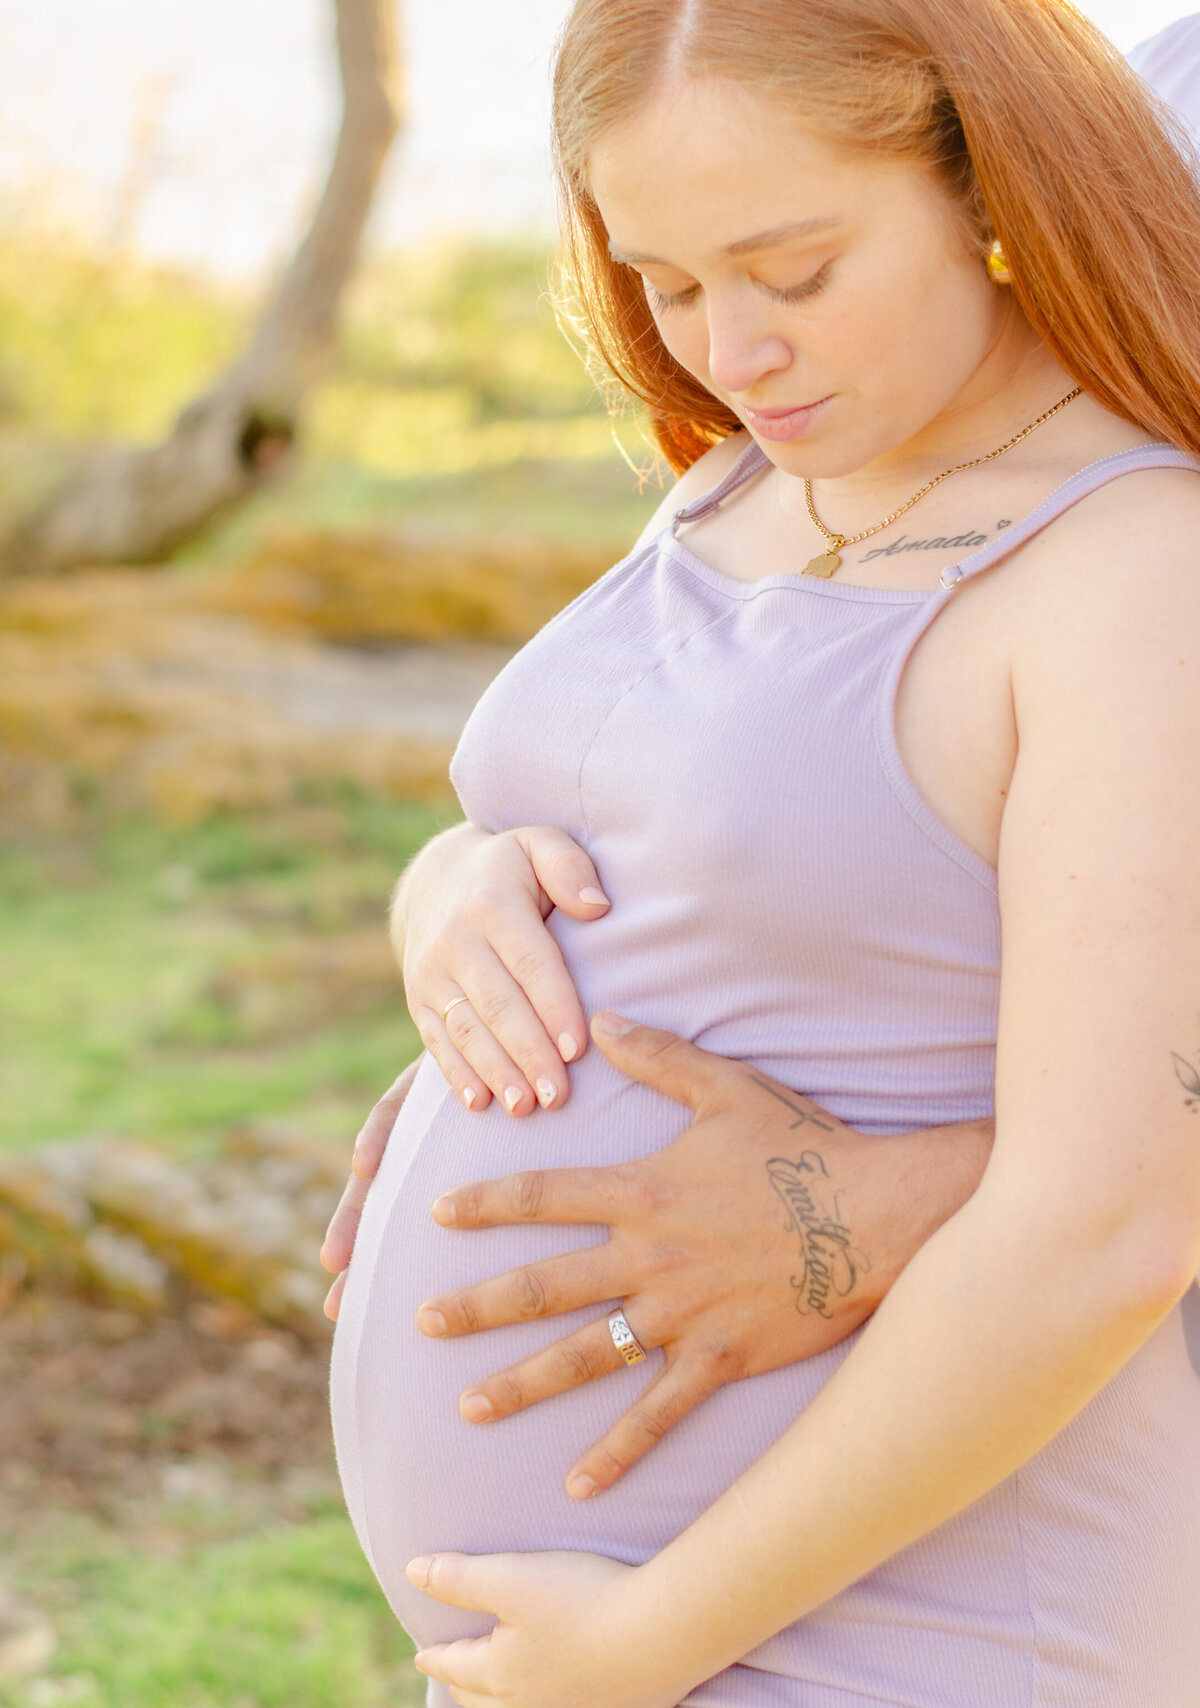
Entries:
{"x":823,"y":566}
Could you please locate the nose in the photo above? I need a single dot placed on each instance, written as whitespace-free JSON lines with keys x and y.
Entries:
{"x":743,"y":346}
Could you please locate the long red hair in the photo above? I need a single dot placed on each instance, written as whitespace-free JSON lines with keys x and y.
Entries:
{"x":1039,"y":128}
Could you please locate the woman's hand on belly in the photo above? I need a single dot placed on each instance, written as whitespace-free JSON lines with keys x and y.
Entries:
{"x":562,"y":1637}
{"x":765,"y":1233}
{"x":485,"y":981}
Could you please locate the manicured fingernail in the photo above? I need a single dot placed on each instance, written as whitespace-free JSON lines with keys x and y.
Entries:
{"x":476,"y":1408}
{"x":445,"y":1211}
{"x":417,"y":1571}
{"x":613,"y":1025}
{"x":547,"y":1091}
{"x":469,"y":1095}
{"x":430,"y":1322}
{"x":568,"y":1049}
{"x":581,"y":1487}
{"x":512,"y":1097}
{"x":593,"y":896}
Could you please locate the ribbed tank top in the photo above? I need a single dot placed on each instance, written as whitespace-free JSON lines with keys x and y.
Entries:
{"x":781,"y":892}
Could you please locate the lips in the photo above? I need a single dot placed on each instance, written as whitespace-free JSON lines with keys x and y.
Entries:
{"x":782,"y":424}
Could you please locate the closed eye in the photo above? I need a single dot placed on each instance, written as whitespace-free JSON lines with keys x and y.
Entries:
{"x":809,"y":288}
{"x":661,"y":301}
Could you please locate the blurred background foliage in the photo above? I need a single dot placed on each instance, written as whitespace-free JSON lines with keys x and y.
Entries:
{"x":452,"y":362}
{"x":211,"y":771}
{"x":212,"y":768}
{"x":458,"y":415}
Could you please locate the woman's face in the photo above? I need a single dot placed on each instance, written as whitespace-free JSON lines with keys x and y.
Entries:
{"x":832,"y":301}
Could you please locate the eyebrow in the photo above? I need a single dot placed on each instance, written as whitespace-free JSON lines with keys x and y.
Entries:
{"x":760,"y":240}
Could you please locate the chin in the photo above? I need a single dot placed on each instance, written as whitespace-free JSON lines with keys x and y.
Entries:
{"x":813,"y":459}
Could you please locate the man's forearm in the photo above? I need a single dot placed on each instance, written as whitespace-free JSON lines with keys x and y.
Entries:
{"x":997,"y":1334}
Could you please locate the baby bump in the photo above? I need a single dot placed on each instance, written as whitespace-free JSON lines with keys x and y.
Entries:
{"x":416,"y":1476}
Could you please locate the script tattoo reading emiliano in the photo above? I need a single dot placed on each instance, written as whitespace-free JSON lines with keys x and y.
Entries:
{"x":829,"y":1262}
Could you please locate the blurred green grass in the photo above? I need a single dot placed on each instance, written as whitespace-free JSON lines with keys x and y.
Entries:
{"x":109,"y":1021}
{"x":288,"y":1617}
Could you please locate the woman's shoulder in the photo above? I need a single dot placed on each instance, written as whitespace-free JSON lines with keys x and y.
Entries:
{"x":1118,"y":573}
{"x":1142,"y":521}
{"x":705,"y":473}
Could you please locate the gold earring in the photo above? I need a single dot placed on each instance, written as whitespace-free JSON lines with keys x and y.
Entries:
{"x":997,"y":263}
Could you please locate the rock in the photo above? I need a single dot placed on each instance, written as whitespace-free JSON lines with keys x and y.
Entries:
{"x":166,"y":704}
{"x":134,"y":1226}
{"x":115,"y":1327}
{"x":14,"y":1269}
{"x":27,"y":1651}
{"x":40,"y":1190}
{"x":76,"y":1687}
{"x":124,"y":1270}
{"x":358,"y":586}
{"x":190,"y":1480}
{"x":27,"y":1639}
{"x":267,"y":1354}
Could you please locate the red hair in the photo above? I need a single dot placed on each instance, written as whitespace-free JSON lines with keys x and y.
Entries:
{"x":1038,"y":127}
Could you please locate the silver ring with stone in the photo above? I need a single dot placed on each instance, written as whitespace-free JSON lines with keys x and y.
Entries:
{"x":453,"y":1003}
{"x":624,"y":1339}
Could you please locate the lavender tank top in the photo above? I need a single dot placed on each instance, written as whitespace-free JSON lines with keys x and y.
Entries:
{"x":783,"y":895}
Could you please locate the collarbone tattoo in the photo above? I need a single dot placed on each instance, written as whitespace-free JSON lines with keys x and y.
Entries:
{"x":970,"y":539}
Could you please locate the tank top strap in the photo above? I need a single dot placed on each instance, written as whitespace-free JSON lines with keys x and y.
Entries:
{"x":1087,"y":480}
{"x":754,"y":460}
{"x":751,"y":462}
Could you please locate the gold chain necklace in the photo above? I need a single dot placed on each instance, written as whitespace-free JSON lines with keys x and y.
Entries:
{"x":827,"y":562}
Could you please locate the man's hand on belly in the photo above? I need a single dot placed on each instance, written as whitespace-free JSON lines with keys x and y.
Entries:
{"x":765,"y":1233}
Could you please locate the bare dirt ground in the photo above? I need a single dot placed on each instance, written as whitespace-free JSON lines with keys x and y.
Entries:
{"x":106,"y":1410}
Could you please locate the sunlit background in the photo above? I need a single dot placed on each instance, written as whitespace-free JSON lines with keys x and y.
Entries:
{"x":212,"y":766}
{"x":194,"y":131}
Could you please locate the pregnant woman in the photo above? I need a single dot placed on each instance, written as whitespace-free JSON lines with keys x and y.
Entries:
{"x":880,"y":747}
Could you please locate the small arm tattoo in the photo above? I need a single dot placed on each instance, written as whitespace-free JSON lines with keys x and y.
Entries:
{"x":829,"y":1263}
{"x":1189,"y":1078}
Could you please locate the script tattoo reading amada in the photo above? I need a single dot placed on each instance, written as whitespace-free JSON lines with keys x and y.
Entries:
{"x":829,"y":1263}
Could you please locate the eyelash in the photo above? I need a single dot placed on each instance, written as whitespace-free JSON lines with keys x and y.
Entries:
{"x":660,"y":301}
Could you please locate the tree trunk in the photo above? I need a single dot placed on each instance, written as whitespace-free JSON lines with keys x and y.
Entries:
{"x":131,"y":505}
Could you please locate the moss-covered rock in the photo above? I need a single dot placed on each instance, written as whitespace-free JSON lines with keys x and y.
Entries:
{"x":122,"y":1220}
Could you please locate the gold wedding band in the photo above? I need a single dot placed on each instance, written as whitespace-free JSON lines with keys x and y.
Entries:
{"x":453,"y":1003}
{"x":624,"y":1339}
